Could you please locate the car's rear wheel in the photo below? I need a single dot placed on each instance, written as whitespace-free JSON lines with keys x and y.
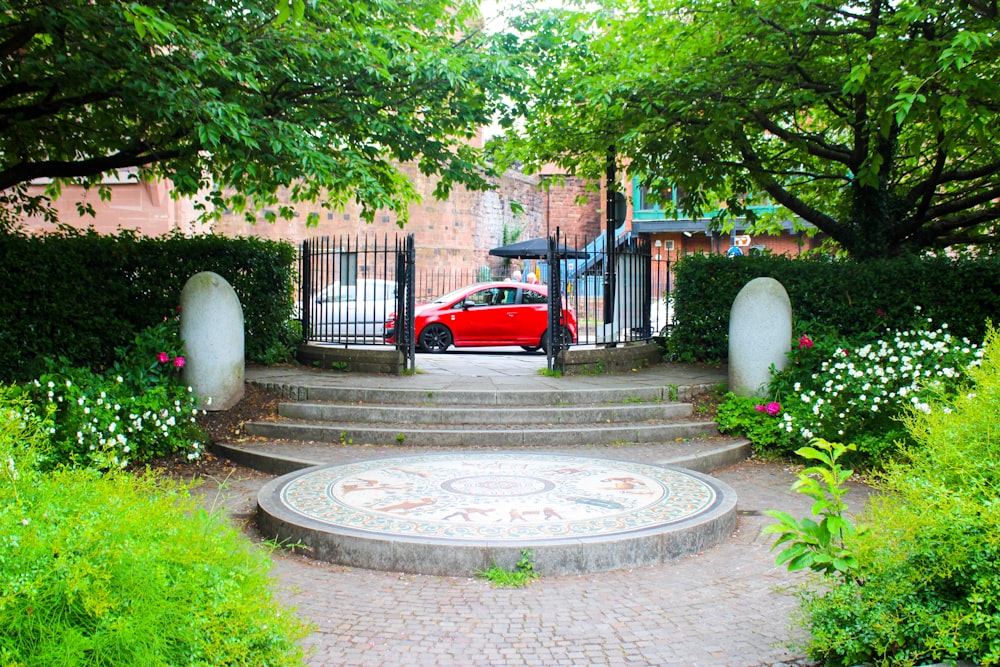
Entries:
{"x":567,"y":339}
{"x":435,"y":338}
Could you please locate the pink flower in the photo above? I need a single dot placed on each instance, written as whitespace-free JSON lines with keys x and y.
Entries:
{"x":759,"y":408}
{"x":163,"y":357}
{"x":179,"y":362}
{"x":805,"y":342}
{"x":773,"y":408}
{"x":879,"y":312}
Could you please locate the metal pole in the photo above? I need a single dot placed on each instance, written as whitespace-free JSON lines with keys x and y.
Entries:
{"x":609,"y":241}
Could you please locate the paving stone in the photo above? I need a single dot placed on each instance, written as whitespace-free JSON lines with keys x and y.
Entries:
{"x":728,"y":606}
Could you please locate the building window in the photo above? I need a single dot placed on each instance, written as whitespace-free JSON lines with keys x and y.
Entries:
{"x":669,"y":196}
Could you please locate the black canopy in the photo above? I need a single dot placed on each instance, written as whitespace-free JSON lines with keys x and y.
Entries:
{"x":536,"y":249}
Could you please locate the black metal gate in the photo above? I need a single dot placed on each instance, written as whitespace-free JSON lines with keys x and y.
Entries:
{"x":363,"y":292}
{"x":350,"y":289}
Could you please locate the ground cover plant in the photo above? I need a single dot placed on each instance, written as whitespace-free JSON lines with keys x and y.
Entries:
{"x":114,"y":568}
{"x":854,"y":390}
{"x":923,"y":585}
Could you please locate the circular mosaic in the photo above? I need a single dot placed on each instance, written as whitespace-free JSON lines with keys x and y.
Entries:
{"x":500,"y":496}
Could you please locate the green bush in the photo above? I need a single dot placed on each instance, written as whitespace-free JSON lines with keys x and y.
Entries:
{"x":854,"y":299}
{"x":113,"y":569}
{"x":81,"y":295}
{"x":138,"y":411}
{"x":927,"y":583}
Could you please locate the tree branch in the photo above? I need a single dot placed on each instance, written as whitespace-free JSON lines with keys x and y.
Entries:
{"x":27,"y":171}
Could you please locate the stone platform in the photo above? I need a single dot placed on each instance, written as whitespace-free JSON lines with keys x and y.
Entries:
{"x":459,"y":513}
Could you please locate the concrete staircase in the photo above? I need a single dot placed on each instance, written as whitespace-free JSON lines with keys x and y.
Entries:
{"x":311,"y":427}
{"x":477,"y":420}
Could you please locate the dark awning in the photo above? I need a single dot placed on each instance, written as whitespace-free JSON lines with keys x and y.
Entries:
{"x":536,"y":249}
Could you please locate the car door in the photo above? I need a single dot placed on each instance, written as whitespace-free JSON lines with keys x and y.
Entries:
{"x":532,"y":316}
{"x":478,"y":318}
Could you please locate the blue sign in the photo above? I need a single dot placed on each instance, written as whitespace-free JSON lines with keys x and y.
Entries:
{"x":734,"y":252}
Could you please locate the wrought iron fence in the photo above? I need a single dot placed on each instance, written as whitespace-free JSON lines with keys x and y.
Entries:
{"x":349,"y":287}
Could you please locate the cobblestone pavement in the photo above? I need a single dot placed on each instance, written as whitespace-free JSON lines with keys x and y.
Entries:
{"x":728,"y":606}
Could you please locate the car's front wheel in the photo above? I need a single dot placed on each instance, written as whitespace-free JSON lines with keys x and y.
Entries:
{"x":435,"y":338}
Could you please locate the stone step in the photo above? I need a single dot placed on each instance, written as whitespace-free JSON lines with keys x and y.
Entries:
{"x":278,"y":457}
{"x":603,"y":413}
{"x":484,"y":397}
{"x":498,"y":436}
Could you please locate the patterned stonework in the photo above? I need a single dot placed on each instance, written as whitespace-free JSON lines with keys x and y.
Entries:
{"x":498,"y":496}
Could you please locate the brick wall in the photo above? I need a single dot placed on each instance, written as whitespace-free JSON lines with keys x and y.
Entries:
{"x":456,"y":233}
{"x":142,"y":206}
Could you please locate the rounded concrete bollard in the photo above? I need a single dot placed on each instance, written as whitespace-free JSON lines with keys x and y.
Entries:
{"x":760,"y":335}
{"x":212,"y":331}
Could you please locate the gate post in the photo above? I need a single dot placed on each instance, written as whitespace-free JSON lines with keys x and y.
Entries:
{"x":405,"y":301}
{"x":305,"y":288}
{"x":556,"y":324}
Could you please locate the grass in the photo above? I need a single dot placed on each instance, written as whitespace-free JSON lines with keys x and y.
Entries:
{"x":523,"y":573}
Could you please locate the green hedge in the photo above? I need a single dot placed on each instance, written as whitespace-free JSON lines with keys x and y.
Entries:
{"x":849,"y":297}
{"x":81,"y":295}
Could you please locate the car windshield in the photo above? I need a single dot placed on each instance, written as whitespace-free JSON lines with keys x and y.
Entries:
{"x":451,"y":296}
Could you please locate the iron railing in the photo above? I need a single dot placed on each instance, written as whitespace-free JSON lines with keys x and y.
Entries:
{"x":349,"y":286}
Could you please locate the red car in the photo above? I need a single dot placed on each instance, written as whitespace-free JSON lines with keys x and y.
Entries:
{"x":487,"y":314}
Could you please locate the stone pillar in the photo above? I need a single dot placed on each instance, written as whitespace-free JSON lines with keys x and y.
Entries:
{"x":760,"y":335}
{"x":212,"y":331}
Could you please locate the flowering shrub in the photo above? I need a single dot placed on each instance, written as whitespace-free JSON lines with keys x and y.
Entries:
{"x":925,"y":587}
{"x":137,"y":411}
{"x":858,"y":393}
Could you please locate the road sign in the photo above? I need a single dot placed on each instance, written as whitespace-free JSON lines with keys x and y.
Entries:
{"x":741,"y":241}
{"x":734,"y":252}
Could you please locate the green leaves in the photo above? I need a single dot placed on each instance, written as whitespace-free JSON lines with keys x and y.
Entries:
{"x":843,"y":115}
{"x":239,"y":99}
{"x":818,"y":546}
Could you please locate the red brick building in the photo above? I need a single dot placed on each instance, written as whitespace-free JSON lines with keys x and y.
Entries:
{"x":456,"y":233}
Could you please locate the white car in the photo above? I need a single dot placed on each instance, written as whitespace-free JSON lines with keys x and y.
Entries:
{"x":357,"y":312}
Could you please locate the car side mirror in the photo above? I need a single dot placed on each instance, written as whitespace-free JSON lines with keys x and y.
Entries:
{"x":468,"y":304}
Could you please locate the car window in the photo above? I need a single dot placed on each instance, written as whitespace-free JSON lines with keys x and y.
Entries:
{"x":335,"y":293}
{"x":483,"y":297}
{"x":506,"y":296}
{"x":531,"y":296}
{"x":377,"y":290}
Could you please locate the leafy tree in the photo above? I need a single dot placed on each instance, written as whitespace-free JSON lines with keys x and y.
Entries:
{"x":240,"y":98}
{"x":878,"y":121}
